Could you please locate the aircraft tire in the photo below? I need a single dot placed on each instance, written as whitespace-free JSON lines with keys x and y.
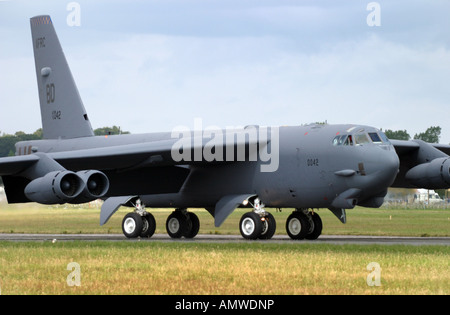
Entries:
{"x":251,"y":226}
{"x":177,"y":225}
{"x":297,"y":226}
{"x":269,"y":227}
{"x":193,"y":225}
{"x":132,"y":225}
{"x":317,"y":228}
{"x":149,"y":225}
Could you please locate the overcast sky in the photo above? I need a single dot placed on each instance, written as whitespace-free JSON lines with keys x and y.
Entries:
{"x":150,"y":66}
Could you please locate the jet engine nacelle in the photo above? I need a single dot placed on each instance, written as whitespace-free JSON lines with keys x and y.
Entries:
{"x":60,"y":187}
{"x":96,"y":185}
{"x":56,"y":187}
{"x":432,"y":175}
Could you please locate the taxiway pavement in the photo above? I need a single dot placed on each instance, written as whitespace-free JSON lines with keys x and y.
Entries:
{"x":207,"y":238}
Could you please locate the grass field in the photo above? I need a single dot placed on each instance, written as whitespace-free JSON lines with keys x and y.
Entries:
{"x":360,"y":221}
{"x":189,"y":268}
{"x":126,"y":267}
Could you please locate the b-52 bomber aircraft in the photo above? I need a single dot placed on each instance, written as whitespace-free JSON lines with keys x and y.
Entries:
{"x":302,"y":167}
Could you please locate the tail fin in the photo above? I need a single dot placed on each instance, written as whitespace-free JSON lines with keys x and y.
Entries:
{"x":62,"y":111}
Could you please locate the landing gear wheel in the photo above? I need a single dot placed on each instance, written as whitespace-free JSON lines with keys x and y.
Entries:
{"x":251,"y":226}
{"x":317,"y":227}
{"x":176,"y":224}
{"x":193,"y":225}
{"x":269,"y":227}
{"x":297,"y":226}
{"x":132,"y":225}
{"x":149,"y":225}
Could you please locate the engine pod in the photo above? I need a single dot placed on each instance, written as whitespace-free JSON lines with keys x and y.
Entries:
{"x":96,"y":185}
{"x":56,"y":187}
{"x":432,"y":175}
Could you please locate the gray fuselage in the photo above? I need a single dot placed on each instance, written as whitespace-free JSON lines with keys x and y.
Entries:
{"x":315,"y":165}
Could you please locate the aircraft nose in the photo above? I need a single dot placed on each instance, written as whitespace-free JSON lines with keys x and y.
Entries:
{"x":389,"y":165}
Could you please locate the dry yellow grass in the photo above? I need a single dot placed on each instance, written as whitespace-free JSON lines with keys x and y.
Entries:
{"x":250,"y":268}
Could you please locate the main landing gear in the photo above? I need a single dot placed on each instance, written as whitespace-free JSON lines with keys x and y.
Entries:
{"x":304,"y":224}
{"x":141,"y":223}
{"x":182,"y":223}
{"x":256,"y":224}
{"x":259,"y":224}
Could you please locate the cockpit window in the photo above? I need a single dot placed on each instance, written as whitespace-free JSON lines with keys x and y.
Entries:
{"x":375,"y":137}
{"x":349,"y":140}
{"x":384,"y":137}
{"x":343,"y":140}
{"x":361,"y":138}
{"x":336,"y":140}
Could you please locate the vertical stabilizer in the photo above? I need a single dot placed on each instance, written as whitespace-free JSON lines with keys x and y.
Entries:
{"x":63,"y":113}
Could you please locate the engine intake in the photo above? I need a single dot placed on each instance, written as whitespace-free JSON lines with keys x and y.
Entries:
{"x":96,"y":185}
{"x":56,"y":187}
{"x":432,"y":175}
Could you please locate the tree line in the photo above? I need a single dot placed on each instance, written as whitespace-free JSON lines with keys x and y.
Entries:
{"x":431,"y":135}
{"x":7,"y":141}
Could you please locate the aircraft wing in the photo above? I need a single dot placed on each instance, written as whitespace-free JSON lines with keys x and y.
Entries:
{"x":442,"y":147}
{"x":126,"y":156}
{"x":404,"y":147}
{"x":127,"y":166}
{"x":422,"y":164}
{"x":15,"y":164}
{"x":130,"y":156}
{"x":153,"y":154}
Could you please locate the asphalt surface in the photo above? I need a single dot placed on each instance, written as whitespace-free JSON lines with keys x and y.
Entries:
{"x":205,"y":238}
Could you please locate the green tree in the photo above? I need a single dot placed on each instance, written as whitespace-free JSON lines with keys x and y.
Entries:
{"x":431,"y":135}
{"x":7,"y":142}
{"x":114,"y":130}
{"x":397,"y":135}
